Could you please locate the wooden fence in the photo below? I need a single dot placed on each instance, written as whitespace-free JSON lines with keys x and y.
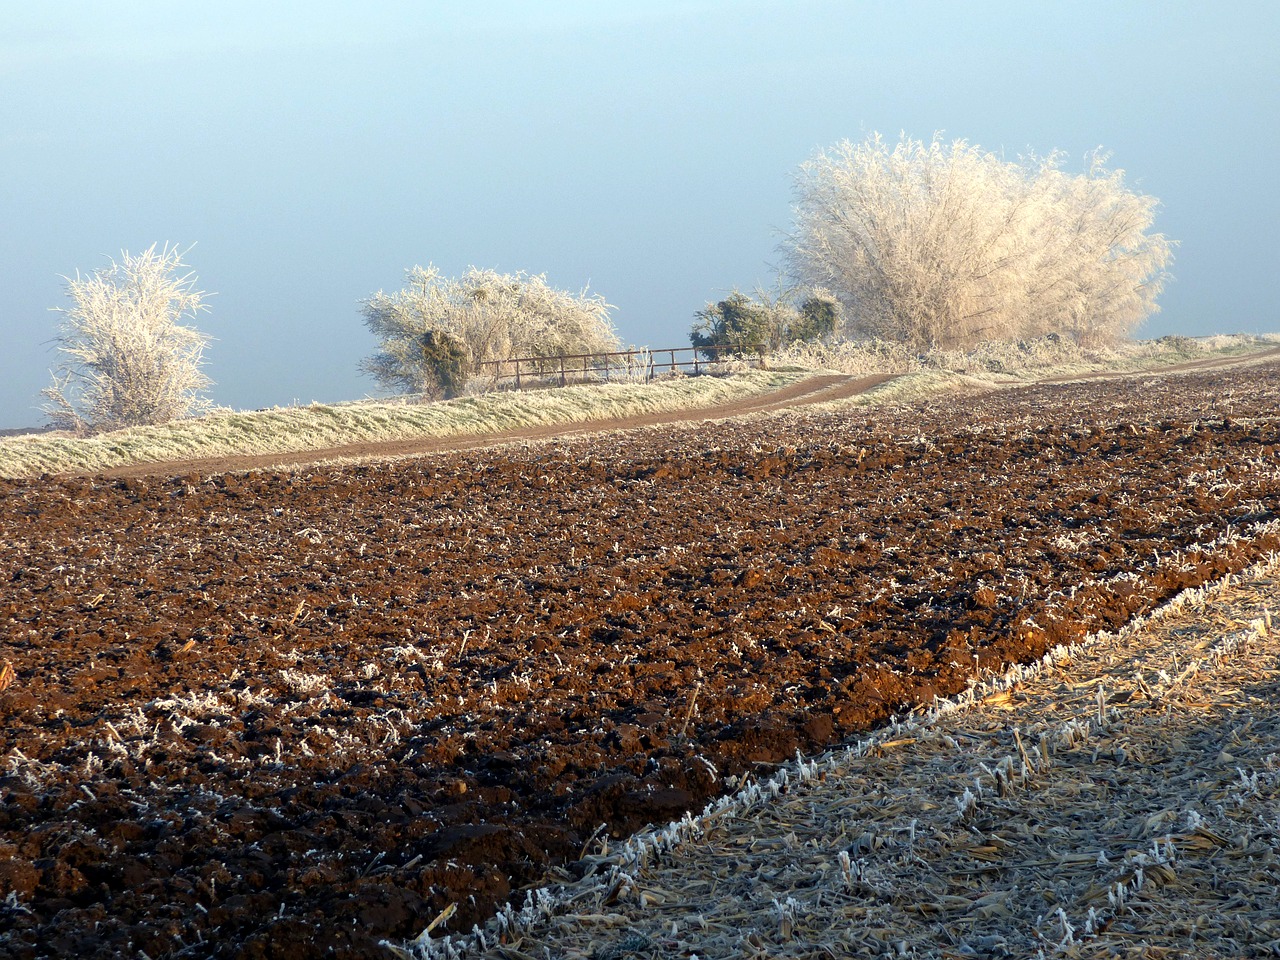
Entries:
{"x":643,"y":364}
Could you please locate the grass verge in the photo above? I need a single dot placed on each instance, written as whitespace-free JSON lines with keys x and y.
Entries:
{"x":991,"y":366}
{"x":320,"y":426}
{"x":998,"y":365}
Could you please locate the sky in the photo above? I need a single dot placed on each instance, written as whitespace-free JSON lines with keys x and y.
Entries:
{"x":309,"y":153}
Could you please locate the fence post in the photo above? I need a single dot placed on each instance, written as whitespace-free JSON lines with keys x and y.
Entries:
{"x":517,"y":373}
{"x":563,"y":381}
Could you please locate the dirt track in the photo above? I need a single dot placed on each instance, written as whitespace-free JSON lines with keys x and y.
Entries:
{"x":1201,"y":366}
{"x":819,"y":389}
{"x":291,"y":713}
{"x":824,"y":388}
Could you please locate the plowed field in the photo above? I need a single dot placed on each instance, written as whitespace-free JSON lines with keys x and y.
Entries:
{"x":292,"y":713}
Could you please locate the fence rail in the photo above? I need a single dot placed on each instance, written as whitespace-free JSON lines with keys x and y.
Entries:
{"x":641,"y":364}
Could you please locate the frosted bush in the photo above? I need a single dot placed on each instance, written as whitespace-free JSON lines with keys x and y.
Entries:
{"x":936,"y":244}
{"x":486,"y":316}
{"x":128,"y":361}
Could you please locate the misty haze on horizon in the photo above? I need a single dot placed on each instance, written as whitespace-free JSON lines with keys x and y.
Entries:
{"x":309,"y":156}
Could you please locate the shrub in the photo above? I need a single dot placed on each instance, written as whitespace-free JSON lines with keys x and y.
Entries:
{"x":945,"y":245}
{"x":743,"y":326}
{"x":128,"y":360}
{"x":817,"y":319}
{"x":736,"y":324}
{"x":437,"y":331}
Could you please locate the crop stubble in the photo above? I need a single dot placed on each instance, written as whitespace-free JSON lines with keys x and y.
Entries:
{"x":1116,"y":799}
{"x":270,"y":714}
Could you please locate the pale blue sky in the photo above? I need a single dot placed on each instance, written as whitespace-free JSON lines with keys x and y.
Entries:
{"x":314,"y":151}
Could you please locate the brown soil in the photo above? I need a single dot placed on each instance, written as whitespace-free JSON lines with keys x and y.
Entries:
{"x":287,"y":714}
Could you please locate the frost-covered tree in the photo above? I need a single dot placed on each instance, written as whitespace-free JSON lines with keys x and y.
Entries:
{"x":944,"y":244}
{"x":127,"y":359}
{"x":438,"y":330}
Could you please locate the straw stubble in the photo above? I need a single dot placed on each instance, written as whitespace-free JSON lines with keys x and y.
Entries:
{"x":1121,"y":801}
